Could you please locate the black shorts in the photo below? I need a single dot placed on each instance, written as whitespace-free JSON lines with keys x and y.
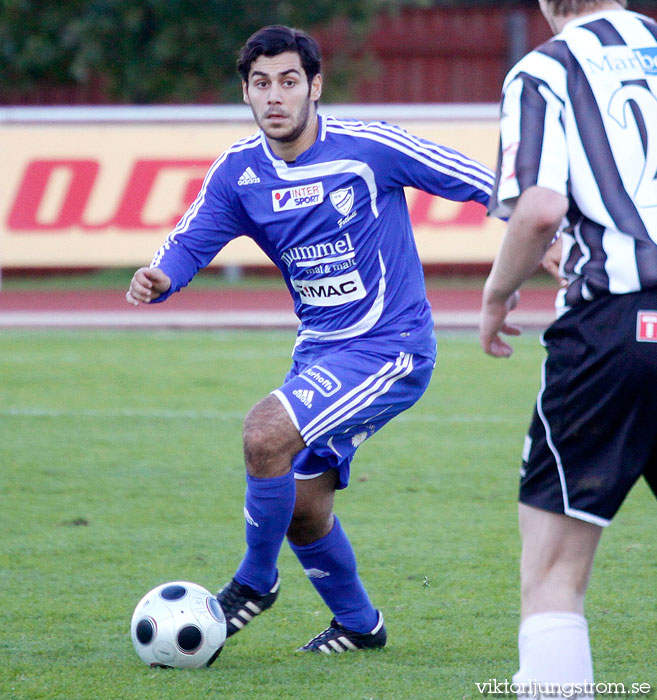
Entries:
{"x":594,"y":430}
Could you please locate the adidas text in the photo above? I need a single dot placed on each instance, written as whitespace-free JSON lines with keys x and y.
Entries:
{"x":248,"y":177}
{"x":305,"y":396}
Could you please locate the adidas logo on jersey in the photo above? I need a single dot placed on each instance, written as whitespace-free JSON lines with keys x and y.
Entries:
{"x":305,"y":396}
{"x":248,"y":177}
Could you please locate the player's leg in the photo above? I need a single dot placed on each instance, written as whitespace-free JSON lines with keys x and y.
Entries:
{"x":588,"y":443}
{"x":323,"y":549}
{"x":270,"y":442}
{"x":338,"y":403}
{"x":556,"y":562}
{"x":557,"y":558}
{"x":313,"y":509}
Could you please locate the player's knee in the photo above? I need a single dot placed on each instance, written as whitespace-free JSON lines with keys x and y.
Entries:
{"x":554,"y":587}
{"x":259,"y":450}
{"x":309,"y":524}
{"x":269,"y":439}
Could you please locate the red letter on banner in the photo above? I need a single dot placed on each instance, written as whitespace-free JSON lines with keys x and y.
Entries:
{"x":24,"y":213}
{"x":468,"y":214}
{"x":81,"y":174}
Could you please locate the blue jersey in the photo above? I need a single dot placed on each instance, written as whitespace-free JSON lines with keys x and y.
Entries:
{"x":336,"y":224}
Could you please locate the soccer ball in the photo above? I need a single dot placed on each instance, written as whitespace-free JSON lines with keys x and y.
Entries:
{"x":178,"y":625}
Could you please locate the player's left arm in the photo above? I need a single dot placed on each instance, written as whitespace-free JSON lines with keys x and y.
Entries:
{"x":537,"y":216}
{"x":415,"y":162}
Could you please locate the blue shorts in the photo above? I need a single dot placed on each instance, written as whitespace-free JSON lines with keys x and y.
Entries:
{"x":343,"y":398}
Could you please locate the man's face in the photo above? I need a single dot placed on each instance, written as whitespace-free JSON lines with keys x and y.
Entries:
{"x":280,"y":97}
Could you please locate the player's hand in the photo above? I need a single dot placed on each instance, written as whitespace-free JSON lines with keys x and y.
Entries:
{"x":492,"y":323}
{"x":551,"y":261}
{"x":147,"y":284}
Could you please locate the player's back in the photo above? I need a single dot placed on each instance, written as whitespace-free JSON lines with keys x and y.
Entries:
{"x":610,"y":107}
{"x":583,"y":120}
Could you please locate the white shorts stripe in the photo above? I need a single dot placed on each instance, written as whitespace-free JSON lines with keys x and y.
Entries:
{"x":369,"y":391}
{"x":571,"y":512}
{"x":349,"y":395}
{"x":286,"y":405}
{"x":365,"y":402}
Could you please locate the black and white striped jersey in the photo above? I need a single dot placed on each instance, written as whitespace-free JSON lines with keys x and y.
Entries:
{"x":579,"y":116}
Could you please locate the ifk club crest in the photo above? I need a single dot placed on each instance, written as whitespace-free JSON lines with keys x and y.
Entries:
{"x":343,"y":200}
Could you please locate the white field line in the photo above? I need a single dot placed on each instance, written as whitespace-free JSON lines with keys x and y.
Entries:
{"x":228,"y":319}
{"x":34,"y":412}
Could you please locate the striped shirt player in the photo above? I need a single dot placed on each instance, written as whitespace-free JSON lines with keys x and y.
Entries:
{"x":579,"y":152}
{"x":324,"y":199}
{"x":579,"y":115}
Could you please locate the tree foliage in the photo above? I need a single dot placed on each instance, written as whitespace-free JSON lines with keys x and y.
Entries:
{"x":148,"y":51}
{"x":145,"y":51}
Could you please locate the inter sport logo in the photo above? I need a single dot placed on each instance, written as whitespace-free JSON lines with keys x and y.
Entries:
{"x":298,"y":197}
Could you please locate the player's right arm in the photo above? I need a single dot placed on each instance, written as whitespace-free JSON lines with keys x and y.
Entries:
{"x":147,"y":284}
{"x":211,"y":221}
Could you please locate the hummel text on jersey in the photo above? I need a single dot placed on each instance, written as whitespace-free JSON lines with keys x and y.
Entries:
{"x":298,"y":197}
{"x":310,"y":255}
{"x":248,"y":177}
{"x":331,"y":291}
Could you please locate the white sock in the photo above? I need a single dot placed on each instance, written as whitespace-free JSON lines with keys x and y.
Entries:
{"x":555,"y":651}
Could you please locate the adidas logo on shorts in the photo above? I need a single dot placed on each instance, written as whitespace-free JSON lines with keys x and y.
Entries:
{"x":248,"y":177}
{"x":305,"y":396}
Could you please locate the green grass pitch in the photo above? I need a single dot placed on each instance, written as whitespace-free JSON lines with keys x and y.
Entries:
{"x":121,"y":468}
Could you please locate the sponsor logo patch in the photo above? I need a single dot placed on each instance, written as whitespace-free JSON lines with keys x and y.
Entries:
{"x":648,"y":59}
{"x":626,"y":61}
{"x":298,"y":197}
{"x":646,"y":326}
{"x":325,"y":382}
{"x":331,"y":291}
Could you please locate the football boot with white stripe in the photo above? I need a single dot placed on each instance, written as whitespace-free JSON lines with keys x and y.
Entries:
{"x":336,"y":638}
{"x":241,"y":603}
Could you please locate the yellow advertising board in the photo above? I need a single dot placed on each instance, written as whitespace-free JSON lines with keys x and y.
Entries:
{"x":106,"y":194}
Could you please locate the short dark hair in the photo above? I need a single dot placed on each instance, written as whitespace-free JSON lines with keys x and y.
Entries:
{"x":276,"y":39}
{"x":564,"y":8}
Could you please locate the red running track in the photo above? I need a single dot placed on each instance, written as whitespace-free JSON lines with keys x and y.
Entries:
{"x":452,"y":307}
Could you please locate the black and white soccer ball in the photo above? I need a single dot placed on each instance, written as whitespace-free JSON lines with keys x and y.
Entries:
{"x":178,"y":625}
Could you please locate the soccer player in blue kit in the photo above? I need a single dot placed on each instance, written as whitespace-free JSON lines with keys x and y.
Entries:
{"x":324,"y":199}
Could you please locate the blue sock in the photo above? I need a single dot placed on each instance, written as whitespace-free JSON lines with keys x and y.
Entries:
{"x":330,"y":565}
{"x":268,"y":506}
